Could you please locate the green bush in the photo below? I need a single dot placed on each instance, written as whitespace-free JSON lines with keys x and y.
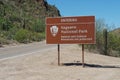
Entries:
{"x":113,"y":44}
{"x":22,"y":36}
{"x":38,"y":36}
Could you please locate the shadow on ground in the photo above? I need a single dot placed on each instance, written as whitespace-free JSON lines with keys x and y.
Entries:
{"x":90,"y":65}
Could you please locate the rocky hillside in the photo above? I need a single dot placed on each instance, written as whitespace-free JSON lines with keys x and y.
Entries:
{"x":26,"y":10}
{"x":23,"y":16}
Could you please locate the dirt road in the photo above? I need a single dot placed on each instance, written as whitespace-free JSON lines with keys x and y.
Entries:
{"x":43,"y":66}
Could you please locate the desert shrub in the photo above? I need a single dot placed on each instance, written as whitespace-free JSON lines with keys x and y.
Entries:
{"x":22,"y":36}
{"x":113,"y":44}
{"x":37,"y":36}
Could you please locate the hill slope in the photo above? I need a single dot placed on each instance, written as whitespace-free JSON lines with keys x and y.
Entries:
{"x":18,"y":11}
{"x":24,"y":14}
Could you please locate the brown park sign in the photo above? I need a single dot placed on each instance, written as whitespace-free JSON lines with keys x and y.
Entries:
{"x":69,"y":30}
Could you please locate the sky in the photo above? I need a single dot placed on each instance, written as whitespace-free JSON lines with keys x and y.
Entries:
{"x":108,"y":10}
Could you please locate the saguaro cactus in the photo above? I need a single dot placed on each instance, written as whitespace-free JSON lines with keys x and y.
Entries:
{"x":105,"y":33}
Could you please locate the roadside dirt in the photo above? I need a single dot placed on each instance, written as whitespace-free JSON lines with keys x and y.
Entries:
{"x":43,"y":66}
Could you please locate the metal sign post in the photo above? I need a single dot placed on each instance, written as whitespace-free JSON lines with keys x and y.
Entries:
{"x":58,"y":54}
{"x":83,"y":55}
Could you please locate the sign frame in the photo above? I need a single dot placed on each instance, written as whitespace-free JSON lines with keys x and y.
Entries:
{"x":77,"y":20}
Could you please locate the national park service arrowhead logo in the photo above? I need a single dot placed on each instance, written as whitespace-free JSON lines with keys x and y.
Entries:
{"x":54,"y":30}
